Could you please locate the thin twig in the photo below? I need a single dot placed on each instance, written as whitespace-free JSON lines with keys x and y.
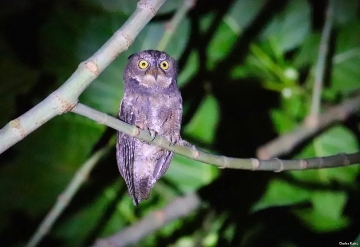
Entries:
{"x":172,"y":25}
{"x":180,"y":207}
{"x":217,"y":160}
{"x":320,"y":65}
{"x":66,"y":196}
{"x":65,"y":98}
{"x":287,"y":142}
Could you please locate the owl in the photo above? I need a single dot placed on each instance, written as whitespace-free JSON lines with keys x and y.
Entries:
{"x":152,"y":102}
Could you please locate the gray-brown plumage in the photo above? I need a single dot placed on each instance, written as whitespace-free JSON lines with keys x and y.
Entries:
{"x":152,"y":102}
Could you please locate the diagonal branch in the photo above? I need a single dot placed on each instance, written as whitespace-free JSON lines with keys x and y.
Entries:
{"x":180,"y":207}
{"x":65,"y":98}
{"x":218,"y":160}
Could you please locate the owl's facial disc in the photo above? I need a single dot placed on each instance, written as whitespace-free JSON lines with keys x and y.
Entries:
{"x":155,"y":76}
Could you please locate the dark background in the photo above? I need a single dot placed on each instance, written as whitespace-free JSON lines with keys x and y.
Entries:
{"x":236,"y":60}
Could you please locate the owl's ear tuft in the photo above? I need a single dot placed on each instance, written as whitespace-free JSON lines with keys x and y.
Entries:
{"x":131,"y":56}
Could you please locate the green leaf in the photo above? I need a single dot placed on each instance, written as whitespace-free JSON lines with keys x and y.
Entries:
{"x":329,"y":203}
{"x":13,"y":84}
{"x":357,"y":240}
{"x":289,"y":29}
{"x":204,"y":123}
{"x":345,"y":11}
{"x":49,"y":158}
{"x":191,"y":67}
{"x":242,"y":13}
{"x":336,"y":140}
{"x":308,"y":52}
{"x":345,"y":76}
{"x":326,"y":214}
{"x":220,"y":45}
{"x":190,"y":175}
{"x":281,"y":193}
{"x":76,"y":229}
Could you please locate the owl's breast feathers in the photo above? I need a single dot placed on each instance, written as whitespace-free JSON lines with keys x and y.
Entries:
{"x":140,"y":163}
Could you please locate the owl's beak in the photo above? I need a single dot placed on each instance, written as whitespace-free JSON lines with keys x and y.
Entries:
{"x":152,"y":71}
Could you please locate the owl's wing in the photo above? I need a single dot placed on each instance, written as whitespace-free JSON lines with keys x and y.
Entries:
{"x":125,"y":147}
{"x":163,"y":164}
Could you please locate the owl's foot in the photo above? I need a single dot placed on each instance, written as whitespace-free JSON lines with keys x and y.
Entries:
{"x":152,"y":133}
{"x":173,"y":140}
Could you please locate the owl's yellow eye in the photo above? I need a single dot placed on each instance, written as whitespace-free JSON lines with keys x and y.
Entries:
{"x":143,"y":64}
{"x":164,"y":65}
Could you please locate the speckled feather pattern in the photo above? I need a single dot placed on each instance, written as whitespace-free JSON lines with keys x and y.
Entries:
{"x":150,"y":104}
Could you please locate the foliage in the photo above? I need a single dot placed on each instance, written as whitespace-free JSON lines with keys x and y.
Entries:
{"x":246,"y":74}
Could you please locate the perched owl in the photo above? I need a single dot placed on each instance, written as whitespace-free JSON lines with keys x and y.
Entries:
{"x":152,"y":102}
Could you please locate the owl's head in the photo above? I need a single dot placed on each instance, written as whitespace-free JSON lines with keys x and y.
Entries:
{"x":151,"y":69}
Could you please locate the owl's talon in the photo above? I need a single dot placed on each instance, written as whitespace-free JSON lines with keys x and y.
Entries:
{"x":152,"y":133}
{"x":172,"y":142}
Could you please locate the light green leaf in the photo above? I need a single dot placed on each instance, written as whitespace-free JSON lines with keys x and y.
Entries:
{"x":191,"y":67}
{"x":220,"y":45}
{"x":326,"y":214}
{"x":333,"y":141}
{"x":242,"y":13}
{"x":282,"y":122}
{"x":204,"y":123}
{"x":37,"y":176}
{"x":345,"y":76}
{"x":289,"y":29}
{"x":309,"y":49}
{"x":281,"y":193}
{"x":329,"y":203}
{"x":76,"y":229}
{"x":189,"y":175}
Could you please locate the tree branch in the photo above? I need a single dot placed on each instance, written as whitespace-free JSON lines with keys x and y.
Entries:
{"x":65,"y":197}
{"x":320,"y":65}
{"x":287,"y":142}
{"x":86,"y":168}
{"x":218,"y":160}
{"x":65,"y":98}
{"x":180,"y":207}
